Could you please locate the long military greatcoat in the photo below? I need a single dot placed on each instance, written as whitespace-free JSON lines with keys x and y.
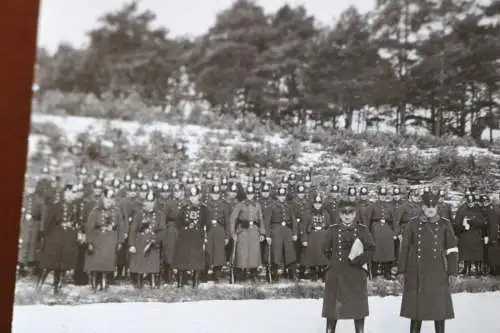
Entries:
{"x":172,"y":209}
{"x":301,"y":209}
{"x":189,"y":251}
{"x":470,"y":242}
{"x":103,"y":230}
{"x":346,"y":291}
{"x":30,"y":227}
{"x":265,"y":205}
{"x":317,"y":223}
{"x":283,"y":226}
{"x":429,"y":254}
{"x":146,"y":235}
{"x":493,"y":215}
{"x":217,"y":232}
{"x":381,"y":219}
{"x":246,"y":226}
{"x":60,"y":248}
{"x":129,"y":207}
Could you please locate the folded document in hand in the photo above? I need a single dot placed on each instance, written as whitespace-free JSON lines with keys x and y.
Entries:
{"x":357,"y":249}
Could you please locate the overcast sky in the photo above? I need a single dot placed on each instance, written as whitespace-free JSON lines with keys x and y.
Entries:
{"x":68,"y":20}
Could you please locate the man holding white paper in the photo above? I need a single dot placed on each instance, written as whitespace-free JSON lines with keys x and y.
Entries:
{"x":348,"y":245}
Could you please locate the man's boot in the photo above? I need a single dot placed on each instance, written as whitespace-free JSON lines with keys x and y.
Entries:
{"x":180,"y":279}
{"x":467,"y":268}
{"x":415,"y":326}
{"x":359,"y":325}
{"x":93,"y":281}
{"x":439,"y":326}
{"x":140,"y":281}
{"x":167,"y":274}
{"x":154,"y":280}
{"x":104,"y":281}
{"x":331,"y":325}
{"x":292,"y":272}
{"x":41,"y":278}
{"x":217,"y":274}
{"x":57,"y":281}
{"x":196,"y":279}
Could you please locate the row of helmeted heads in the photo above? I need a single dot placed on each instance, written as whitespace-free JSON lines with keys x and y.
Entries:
{"x":108,"y":192}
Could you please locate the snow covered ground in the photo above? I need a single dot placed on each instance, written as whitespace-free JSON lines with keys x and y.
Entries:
{"x":474,"y":313}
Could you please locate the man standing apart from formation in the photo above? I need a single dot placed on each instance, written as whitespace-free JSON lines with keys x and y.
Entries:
{"x":349,"y":246}
{"x":429,"y":256}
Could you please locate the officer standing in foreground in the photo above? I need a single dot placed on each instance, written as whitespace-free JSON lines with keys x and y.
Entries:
{"x":348,"y":245}
{"x":429,"y":256}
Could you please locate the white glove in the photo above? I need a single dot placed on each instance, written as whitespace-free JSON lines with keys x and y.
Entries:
{"x":294,"y":238}
{"x":132,"y":249}
{"x":467,"y":226}
{"x":268,"y":240}
{"x":486,"y":240}
{"x":28,"y":216}
{"x":82,"y":238}
{"x":304,"y":243}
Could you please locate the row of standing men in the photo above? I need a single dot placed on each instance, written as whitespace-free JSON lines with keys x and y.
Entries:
{"x":174,"y":230}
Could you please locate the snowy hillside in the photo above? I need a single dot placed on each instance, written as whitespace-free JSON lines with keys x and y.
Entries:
{"x":248,"y":316}
{"x":349,"y":156}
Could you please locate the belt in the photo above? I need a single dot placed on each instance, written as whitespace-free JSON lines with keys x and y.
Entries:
{"x":246,"y":224}
{"x":192,"y":226}
{"x":283,"y":223}
{"x":105,"y":229}
{"x":68,"y":227}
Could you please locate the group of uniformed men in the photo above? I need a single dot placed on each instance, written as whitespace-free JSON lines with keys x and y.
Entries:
{"x":182,"y":229}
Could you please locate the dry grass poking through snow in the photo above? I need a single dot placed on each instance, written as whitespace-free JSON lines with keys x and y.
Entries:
{"x":25,"y":293}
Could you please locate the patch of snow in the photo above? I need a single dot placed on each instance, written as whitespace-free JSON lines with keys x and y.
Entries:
{"x":248,"y":316}
{"x":139,"y":133}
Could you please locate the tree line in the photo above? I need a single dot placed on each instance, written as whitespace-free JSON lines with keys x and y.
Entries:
{"x":430,"y":63}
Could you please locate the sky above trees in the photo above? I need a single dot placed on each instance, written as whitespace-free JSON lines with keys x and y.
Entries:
{"x":67,"y":21}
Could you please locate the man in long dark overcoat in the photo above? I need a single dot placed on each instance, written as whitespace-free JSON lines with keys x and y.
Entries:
{"x":316,"y":221}
{"x":470,"y":224}
{"x":145,"y":239}
{"x":346,"y":290}
{"x":172,"y":208}
{"x":104,"y":239}
{"x":129,"y":205}
{"x":217,"y":232}
{"x":189,"y":254}
{"x":31,"y":215}
{"x":59,"y":230}
{"x":429,"y":256}
{"x":382,"y":228}
{"x":492,"y":213}
{"x":284,"y":233}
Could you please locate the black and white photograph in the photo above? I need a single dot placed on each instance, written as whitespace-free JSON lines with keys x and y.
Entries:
{"x":273,"y":166}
